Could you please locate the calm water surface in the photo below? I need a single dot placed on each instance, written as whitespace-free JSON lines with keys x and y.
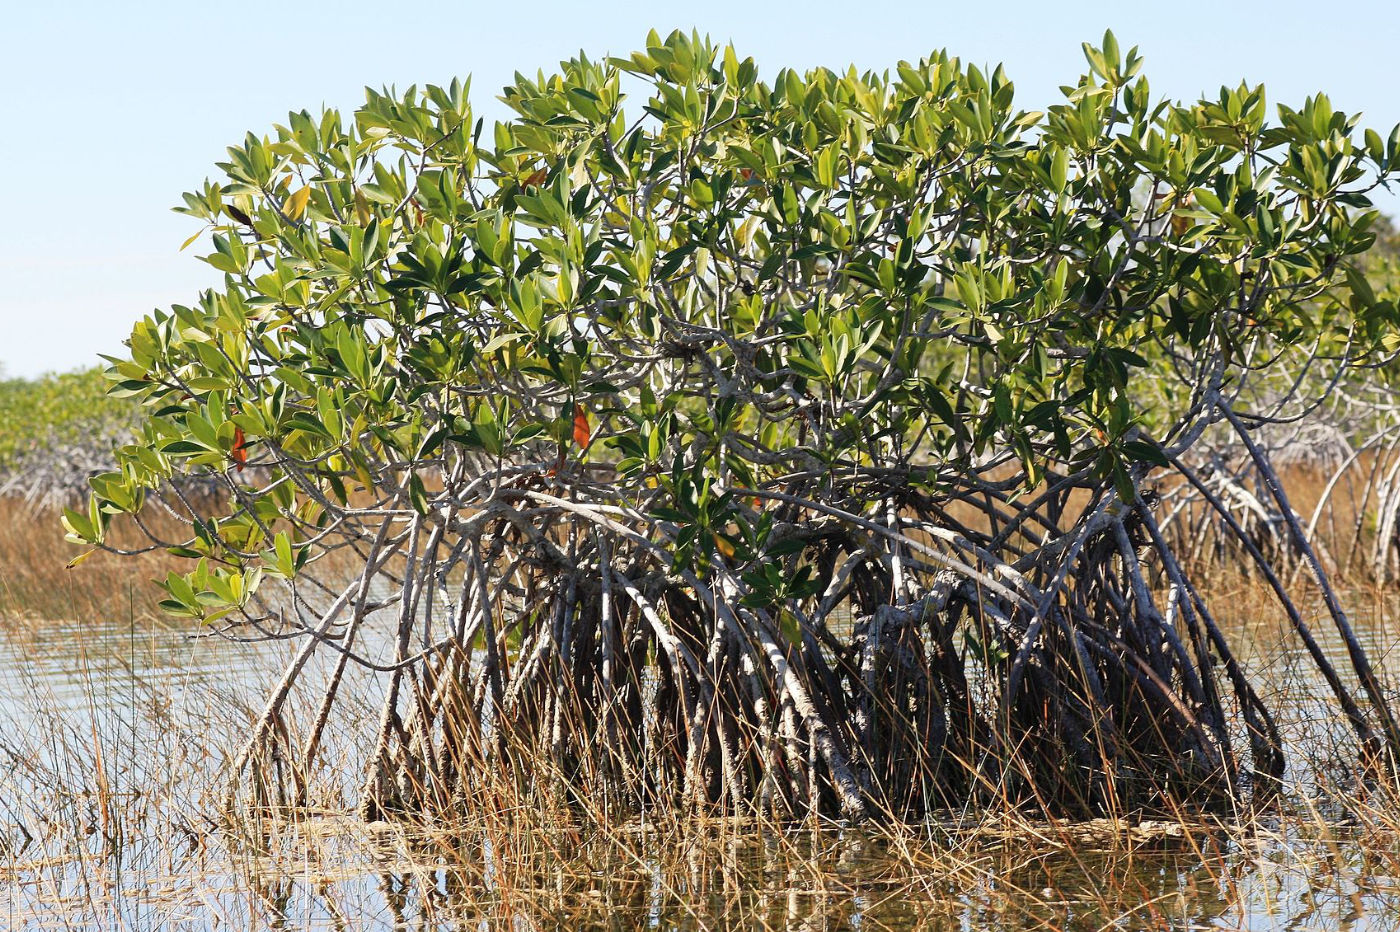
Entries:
{"x":113,"y":736}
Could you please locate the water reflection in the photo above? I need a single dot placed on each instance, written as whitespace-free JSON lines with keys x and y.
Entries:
{"x":113,"y":662}
{"x":110,"y":774}
{"x":835,"y":882}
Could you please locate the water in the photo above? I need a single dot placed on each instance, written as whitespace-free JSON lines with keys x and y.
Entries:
{"x":73,"y":662}
{"x":116,"y":735}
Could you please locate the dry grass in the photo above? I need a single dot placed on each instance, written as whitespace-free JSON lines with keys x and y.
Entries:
{"x":111,"y":857}
{"x":111,"y":816}
{"x":36,"y":581}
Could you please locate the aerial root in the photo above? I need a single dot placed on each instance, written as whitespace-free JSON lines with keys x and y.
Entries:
{"x":1104,"y":684}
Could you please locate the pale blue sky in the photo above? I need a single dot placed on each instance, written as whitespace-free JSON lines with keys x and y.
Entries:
{"x":109,"y":111}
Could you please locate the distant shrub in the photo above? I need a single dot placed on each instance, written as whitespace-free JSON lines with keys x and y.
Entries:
{"x":57,"y":429}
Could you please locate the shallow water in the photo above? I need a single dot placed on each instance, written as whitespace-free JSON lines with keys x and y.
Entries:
{"x":114,"y":736}
{"x":72,"y":662}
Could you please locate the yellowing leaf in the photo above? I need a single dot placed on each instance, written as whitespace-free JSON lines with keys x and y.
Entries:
{"x":76,"y":561}
{"x":296,"y":203}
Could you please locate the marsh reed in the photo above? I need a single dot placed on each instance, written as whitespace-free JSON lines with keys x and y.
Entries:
{"x":114,"y":808}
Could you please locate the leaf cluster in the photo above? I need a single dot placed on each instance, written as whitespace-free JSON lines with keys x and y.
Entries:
{"x":737,"y":284}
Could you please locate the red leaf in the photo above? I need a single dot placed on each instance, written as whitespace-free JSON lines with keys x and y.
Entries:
{"x":581,"y":432}
{"x":240,"y":449}
{"x":536,"y":179}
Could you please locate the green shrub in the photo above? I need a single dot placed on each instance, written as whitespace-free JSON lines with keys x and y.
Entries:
{"x":41,"y":416}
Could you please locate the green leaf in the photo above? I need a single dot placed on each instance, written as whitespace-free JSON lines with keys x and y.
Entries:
{"x":1144,"y":451}
{"x":417,"y":496}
